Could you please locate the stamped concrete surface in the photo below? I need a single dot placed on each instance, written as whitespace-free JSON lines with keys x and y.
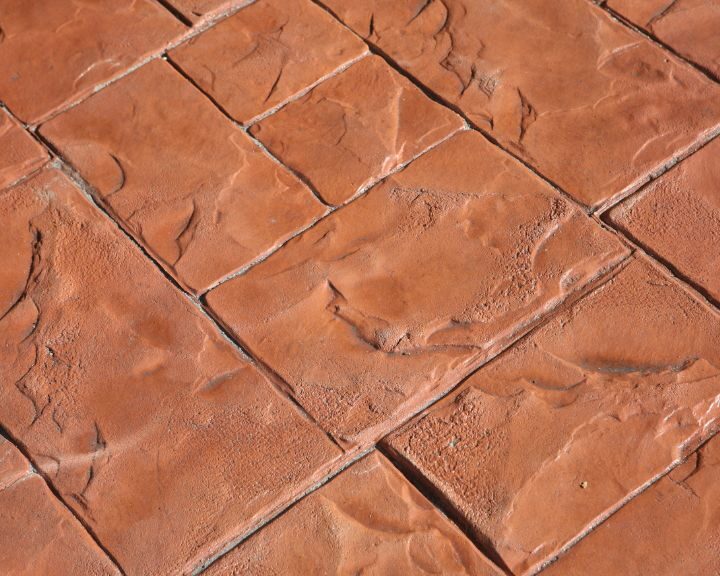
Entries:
{"x":341,"y":287}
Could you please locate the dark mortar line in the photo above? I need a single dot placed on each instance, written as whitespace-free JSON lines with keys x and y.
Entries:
{"x":175,"y":12}
{"x":625,"y":22}
{"x":20,"y":446}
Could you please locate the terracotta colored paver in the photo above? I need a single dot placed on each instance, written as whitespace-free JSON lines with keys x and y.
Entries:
{"x":688,"y":26}
{"x":670,"y":529}
{"x":19,"y":153}
{"x":185,"y":180}
{"x":149,"y":424}
{"x":369,"y":520}
{"x":678,"y":218}
{"x":355,"y":128}
{"x":55,"y":51}
{"x":265,"y":54}
{"x":562,"y":427}
{"x":388,"y":301}
{"x":592,"y":105}
{"x":38,"y":535}
{"x":196,"y":11}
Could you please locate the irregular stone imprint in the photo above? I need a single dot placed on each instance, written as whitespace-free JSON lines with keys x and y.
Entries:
{"x":566,"y":424}
{"x":670,"y":529}
{"x":192,"y":187}
{"x":369,"y":520}
{"x":38,"y":535}
{"x":390,"y":300}
{"x":678,"y":218}
{"x":19,"y":153}
{"x":145,"y":419}
{"x":55,"y":51}
{"x":355,"y":128}
{"x":589,"y":103}
{"x":199,"y":10}
{"x":689,"y":26}
{"x":265,"y":54}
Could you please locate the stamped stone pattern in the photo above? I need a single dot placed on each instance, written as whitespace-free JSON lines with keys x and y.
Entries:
{"x":688,"y":26}
{"x":561,"y":428}
{"x":369,"y":520}
{"x":379,"y":290}
{"x":19,"y":153}
{"x":590,"y":104}
{"x":265,"y":54}
{"x":55,"y":51}
{"x":38,"y":536}
{"x":355,"y":128}
{"x":149,"y":424}
{"x":193,"y":188}
{"x":677,"y":217}
{"x":198,"y":11}
{"x":670,"y":529}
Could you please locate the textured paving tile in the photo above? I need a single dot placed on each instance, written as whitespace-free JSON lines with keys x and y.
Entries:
{"x":678,"y":218}
{"x":38,"y":535}
{"x":19,"y":153}
{"x":148,"y":423}
{"x":385,"y":303}
{"x":670,"y":529}
{"x":54,"y":51}
{"x":688,"y":26}
{"x":590,"y":104}
{"x":355,"y":128}
{"x":265,"y":54}
{"x":187,"y":182}
{"x":369,"y":520}
{"x":200,"y":10}
{"x":562,"y":427}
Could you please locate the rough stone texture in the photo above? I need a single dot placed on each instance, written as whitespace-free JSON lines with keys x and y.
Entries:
{"x":388,"y":301}
{"x":669,"y":530}
{"x":565,"y":425}
{"x":678,"y":218}
{"x":188,"y":183}
{"x":589,"y":103}
{"x":55,"y":51}
{"x":19,"y":153}
{"x":369,"y":520}
{"x":148,"y":423}
{"x":690,"y":27}
{"x":197,"y":11}
{"x":355,"y":128}
{"x":38,"y":535}
{"x":265,"y":54}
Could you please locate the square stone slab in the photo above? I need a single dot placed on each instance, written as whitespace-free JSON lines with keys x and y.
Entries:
{"x":147,"y":421}
{"x":369,"y":520}
{"x":355,"y":128}
{"x":590,"y":104}
{"x":670,"y":529}
{"x":690,"y":27}
{"x":559,"y":430}
{"x":189,"y":184}
{"x":265,"y":54}
{"x":56,"y":51}
{"x":386,"y":303}
{"x":38,"y":535}
{"x":20,"y":154}
{"x":677,"y":217}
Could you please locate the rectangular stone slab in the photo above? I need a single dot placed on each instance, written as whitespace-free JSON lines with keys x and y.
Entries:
{"x":147,"y":421}
{"x":592,"y":105}
{"x":20,"y":154}
{"x":189,"y":184}
{"x":670,"y":529}
{"x":265,"y":54}
{"x":386,"y":303}
{"x":560,"y":429}
{"x":56,"y":51}
{"x":368,"y":520}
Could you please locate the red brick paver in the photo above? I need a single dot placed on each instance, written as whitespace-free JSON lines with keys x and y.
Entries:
{"x":329,"y":287}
